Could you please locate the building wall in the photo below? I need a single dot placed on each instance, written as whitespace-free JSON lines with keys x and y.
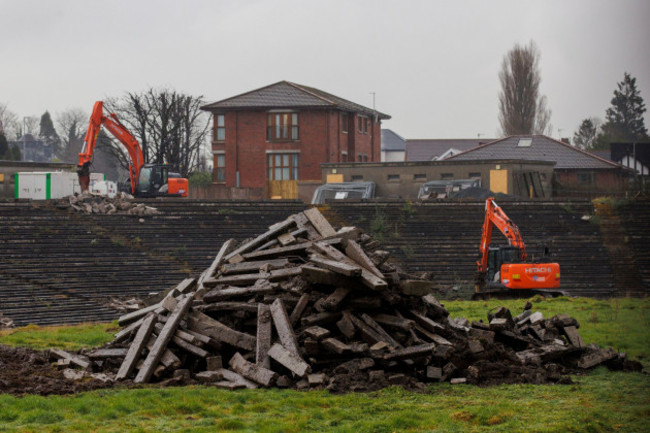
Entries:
{"x":392,"y":156}
{"x":589,"y":182}
{"x":321,"y":140}
{"x":404,"y":179}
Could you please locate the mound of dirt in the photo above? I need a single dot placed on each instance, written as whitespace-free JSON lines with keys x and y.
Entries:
{"x":27,"y":371}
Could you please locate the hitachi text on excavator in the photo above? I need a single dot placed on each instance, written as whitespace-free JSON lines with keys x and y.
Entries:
{"x":146,"y":180}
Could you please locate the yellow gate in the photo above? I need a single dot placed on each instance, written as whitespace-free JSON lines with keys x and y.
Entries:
{"x":282,"y":189}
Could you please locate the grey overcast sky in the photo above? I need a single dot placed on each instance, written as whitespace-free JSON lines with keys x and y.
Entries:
{"x":433,"y":65}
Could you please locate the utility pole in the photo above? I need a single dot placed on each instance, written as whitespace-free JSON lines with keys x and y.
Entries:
{"x":24,"y":139}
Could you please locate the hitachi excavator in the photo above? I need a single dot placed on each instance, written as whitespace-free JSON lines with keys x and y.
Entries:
{"x":147,"y":180}
{"x":506,"y":272}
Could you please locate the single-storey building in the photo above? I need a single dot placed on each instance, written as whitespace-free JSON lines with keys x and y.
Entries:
{"x":8,"y":170}
{"x":523,"y":178}
{"x":576,"y":172}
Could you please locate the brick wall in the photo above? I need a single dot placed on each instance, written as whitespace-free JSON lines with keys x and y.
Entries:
{"x":321,"y":140}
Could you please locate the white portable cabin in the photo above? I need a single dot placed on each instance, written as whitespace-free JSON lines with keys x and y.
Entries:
{"x":40,"y":185}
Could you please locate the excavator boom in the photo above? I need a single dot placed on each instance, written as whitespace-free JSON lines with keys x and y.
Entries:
{"x":495,"y":216}
{"x":119,"y":131}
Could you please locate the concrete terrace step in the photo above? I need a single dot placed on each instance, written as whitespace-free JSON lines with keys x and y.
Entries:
{"x":59,"y":267}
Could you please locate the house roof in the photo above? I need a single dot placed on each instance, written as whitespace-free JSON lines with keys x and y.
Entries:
{"x":539,"y":148}
{"x":640,"y":151}
{"x":285,"y":94}
{"x":428,"y":149}
{"x":605,"y":154}
{"x":391,"y":142}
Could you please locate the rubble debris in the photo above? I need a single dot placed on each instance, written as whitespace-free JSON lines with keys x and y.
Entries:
{"x":121,"y":204}
{"x":5,"y":322}
{"x":323,"y":309}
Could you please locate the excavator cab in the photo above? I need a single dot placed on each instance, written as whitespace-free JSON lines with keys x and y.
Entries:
{"x":156,"y":180}
{"x":499,"y":256}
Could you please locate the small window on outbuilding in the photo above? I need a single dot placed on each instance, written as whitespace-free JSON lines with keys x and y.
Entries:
{"x":447,"y":176}
{"x":356,"y":177}
{"x":474,"y":174}
{"x":393,"y":177}
{"x":525,"y":142}
{"x":586,"y":178}
{"x":420,"y":176}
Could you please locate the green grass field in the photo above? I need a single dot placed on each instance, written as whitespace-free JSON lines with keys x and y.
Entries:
{"x":601,"y":401}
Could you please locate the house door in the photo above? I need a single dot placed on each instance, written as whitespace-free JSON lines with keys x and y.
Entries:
{"x":282,"y":176}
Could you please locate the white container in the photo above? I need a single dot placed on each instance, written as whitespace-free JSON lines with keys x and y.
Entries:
{"x":45,"y":185}
{"x":104,"y":188}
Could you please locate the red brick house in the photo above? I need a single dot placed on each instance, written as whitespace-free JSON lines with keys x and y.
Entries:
{"x":270,"y":142}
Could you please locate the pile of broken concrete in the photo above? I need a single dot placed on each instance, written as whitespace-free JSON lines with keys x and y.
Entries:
{"x":306,"y":306}
{"x":121,"y":204}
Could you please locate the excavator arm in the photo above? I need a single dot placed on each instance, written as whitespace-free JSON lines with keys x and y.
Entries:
{"x":495,"y":216}
{"x":119,"y":131}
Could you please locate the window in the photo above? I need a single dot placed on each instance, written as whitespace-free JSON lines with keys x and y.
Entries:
{"x":344,"y":156}
{"x":356,"y":177}
{"x":220,"y":127}
{"x":282,"y":166}
{"x":282,"y":126}
{"x":220,"y":167}
{"x":420,"y":176}
{"x":447,"y":176}
{"x":474,"y":174}
{"x":393,"y":177}
{"x":359,"y":157}
{"x":363,"y":125}
{"x":525,"y":142}
{"x":586,"y":178}
{"x":344,"y":122}
{"x":365,"y":157}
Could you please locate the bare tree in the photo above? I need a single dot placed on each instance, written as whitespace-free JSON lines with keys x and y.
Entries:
{"x":9,"y":122}
{"x":169,"y":126}
{"x":71,"y":127}
{"x":521,"y":109}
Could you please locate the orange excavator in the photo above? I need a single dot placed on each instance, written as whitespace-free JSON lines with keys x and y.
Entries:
{"x":506,"y":271}
{"x":147,"y":180}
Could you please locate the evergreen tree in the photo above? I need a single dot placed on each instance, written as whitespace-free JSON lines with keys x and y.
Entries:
{"x":14,"y":153}
{"x":624,"y":119}
{"x":586,"y":134}
{"x":4,"y":146}
{"x":48,"y":134}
